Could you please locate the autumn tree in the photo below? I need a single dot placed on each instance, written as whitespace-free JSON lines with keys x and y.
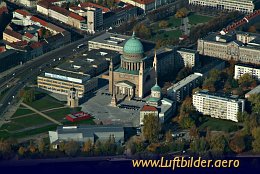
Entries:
{"x":28,"y":95}
{"x":184,"y":72}
{"x":143,"y":31}
{"x":151,"y":127}
{"x":98,"y":148}
{"x":194,"y":132}
{"x":87,"y":146}
{"x":218,"y":144}
{"x":71,"y":148}
{"x":163,"y":24}
{"x":41,"y":145}
{"x":246,"y":81}
{"x":181,"y":13}
{"x":252,"y":29}
{"x":168,"y":137}
{"x":21,"y":151}
{"x":237,"y":143}
{"x":256,"y":139}
{"x":199,"y":146}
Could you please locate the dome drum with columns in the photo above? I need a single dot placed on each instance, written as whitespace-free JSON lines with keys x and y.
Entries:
{"x":133,"y":70}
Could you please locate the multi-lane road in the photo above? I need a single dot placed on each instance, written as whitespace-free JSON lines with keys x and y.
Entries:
{"x":31,"y":69}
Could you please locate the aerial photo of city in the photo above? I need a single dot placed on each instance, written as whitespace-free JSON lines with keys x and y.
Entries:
{"x":130,"y":85}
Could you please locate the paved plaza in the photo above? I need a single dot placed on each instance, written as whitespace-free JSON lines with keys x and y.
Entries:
{"x":99,"y":107}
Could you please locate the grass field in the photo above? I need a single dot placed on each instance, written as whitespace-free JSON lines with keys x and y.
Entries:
{"x":196,"y":19}
{"x":45,"y":102}
{"x":219,"y":125}
{"x":174,"y":34}
{"x":25,"y":122}
{"x":22,"y":111}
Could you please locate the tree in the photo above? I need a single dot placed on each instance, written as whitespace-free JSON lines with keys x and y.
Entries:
{"x":41,"y":146}
{"x":186,"y":122}
{"x":186,"y":107}
{"x":241,"y":116}
{"x":181,"y":13}
{"x":21,"y":151}
{"x":151,"y":127}
{"x":256,"y":141}
{"x":143,"y":31}
{"x":98,"y":148}
{"x":168,"y":137}
{"x":246,"y":81}
{"x":218,"y":143}
{"x":252,"y":29}
{"x":184,"y":72}
{"x":87,"y":147}
{"x":28,"y":95}
{"x":71,"y":148}
{"x":194,"y":132}
{"x":32,"y":147}
{"x":199,"y":146}
{"x":237,"y":143}
{"x":5,"y":147}
{"x":163,"y":24}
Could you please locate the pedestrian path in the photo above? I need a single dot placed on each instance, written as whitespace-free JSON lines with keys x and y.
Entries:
{"x":41,"y":114}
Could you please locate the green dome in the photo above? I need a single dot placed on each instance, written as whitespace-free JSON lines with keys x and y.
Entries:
{"x":156,"y":88}
{"x":133,"y":46}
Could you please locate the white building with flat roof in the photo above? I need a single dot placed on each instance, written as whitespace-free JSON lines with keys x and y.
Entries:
{"x":245,"y":6}
{"x":241,"y":69}
{"x":218,"y":105}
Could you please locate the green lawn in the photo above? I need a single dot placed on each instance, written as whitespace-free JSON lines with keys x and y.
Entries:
{"x":25,"y":122}
{"x":174,"y":34}
{"x":22,"y":111}
{"x":59,"y":114}
{"x":196,"y":19}
{"x":46,"y":102}
{"x":219,"y":125}
{"x":174,"y":22}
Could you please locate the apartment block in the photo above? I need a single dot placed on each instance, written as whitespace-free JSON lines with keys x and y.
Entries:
{"x":241,"y":69}
{"x":179,"y":91}
{"x":188,"y":57}
{"x":218,"y":105}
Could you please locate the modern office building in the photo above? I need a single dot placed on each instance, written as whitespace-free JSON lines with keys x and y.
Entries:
{"x":218,"y":105}
{"x":241,"y":69}
{"x":60,"y":82}
{"x":239,"y":46}
{"x":179,"y":91}
{"x":245,"y":6}
{"x":83,"y":133}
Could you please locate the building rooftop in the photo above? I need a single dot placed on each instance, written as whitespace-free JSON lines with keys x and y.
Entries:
{"x":188,"y":50}
{"x":66,"y":76}
{"x":90,"y":4}
{"x":119,"y":40}
{"x":13,"y":34}
{"x":256,"y":90}
{"x":185,"y":81}
{"x":148,"y":108}
{"x":89,"y":129}
{"x":219,"y":96}
{"x":121,"y":70}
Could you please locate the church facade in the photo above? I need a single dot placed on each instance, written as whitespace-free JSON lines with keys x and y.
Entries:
{"x":135,"y":76}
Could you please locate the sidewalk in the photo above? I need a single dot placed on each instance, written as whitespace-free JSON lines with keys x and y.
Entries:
{"x":10,"y":112}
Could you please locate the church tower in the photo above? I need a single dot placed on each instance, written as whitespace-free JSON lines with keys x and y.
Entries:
{"x":111,"y":77}
{"x":114,"y":100}
{"x":72,"y":98}
{"x":141,"y":80}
